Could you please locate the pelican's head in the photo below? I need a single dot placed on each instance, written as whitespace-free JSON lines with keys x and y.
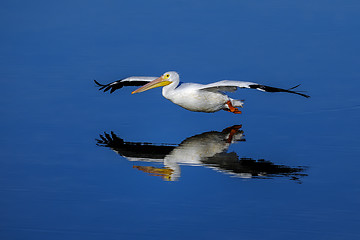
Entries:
{"x":166,"y":79}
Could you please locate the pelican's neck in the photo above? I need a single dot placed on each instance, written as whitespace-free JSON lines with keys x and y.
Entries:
{"x":168,"y":90}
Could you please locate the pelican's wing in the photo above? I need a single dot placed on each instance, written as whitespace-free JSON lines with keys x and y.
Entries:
{"x":231,"y":86}
{"x":130,"y":81}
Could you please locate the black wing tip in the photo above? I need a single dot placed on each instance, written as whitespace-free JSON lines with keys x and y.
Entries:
{"x":106,"y":87}
{"x":304,"y":95}
{"x":273,"y":89}
{"x":99,"y":84}
{"x":294,"y":87}
{"x":298,"y":92}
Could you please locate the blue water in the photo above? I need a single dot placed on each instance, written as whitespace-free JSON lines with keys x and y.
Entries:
{"x":57,"y":181}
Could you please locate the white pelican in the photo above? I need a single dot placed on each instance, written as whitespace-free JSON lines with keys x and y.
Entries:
{"x":195,"y":97}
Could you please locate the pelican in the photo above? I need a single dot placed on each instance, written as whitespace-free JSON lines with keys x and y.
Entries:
{"x":195,"y":97}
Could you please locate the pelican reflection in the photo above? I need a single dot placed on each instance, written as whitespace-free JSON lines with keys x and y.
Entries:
{"x":208,"y":149}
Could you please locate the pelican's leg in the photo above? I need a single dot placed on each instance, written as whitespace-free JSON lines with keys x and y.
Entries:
{"x":232,"y":108}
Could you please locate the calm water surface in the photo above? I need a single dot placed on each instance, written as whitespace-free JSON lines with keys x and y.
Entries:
{"x":77,"y":163}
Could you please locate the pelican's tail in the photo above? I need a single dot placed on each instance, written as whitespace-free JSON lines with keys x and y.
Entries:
{"x":237,"y":103}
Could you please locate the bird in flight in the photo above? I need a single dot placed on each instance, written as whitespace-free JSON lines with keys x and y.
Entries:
{"x":195,"y":97}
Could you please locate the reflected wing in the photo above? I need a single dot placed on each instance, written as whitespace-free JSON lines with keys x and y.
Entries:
{"x":136,"y":150}
{"x":248,"y":167}
{"x":130,"y":81}
{"x":231,"y":86}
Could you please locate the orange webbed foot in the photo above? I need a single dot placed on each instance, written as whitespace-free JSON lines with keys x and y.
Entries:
{"x":232,"y":108}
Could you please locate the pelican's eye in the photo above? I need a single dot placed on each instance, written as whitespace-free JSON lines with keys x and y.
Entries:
{"x":167,"y":76}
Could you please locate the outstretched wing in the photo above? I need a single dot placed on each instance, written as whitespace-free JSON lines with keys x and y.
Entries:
{"x":231,"y":86}
{"x":130,"y":81}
